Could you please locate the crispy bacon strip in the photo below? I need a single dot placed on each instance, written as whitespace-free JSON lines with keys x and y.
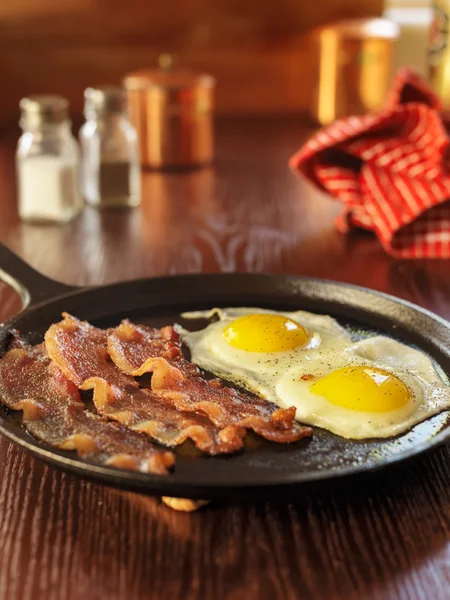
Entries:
{"x":53,"y":412}
{"x":80,"y":351}
{"x":138,"y":349}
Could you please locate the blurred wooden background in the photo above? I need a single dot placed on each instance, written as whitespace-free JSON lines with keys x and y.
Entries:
{"x":258,"y":49}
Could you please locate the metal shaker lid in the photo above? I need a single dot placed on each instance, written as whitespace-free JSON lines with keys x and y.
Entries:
{"x":39,"y":110}
{"x":104,"y":100}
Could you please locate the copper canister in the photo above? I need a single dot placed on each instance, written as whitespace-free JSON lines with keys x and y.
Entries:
{"x":355,"y":59}
{"x":172,"y":110}
{"x":439,"y":51}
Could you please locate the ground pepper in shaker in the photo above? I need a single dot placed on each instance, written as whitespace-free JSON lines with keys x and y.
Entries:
{"x":47,"y":162}
{"x":110,"y":152}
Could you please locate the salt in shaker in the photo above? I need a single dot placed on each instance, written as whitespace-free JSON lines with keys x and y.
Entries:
{"x":110,"y":153}
{"x":47,"y":162}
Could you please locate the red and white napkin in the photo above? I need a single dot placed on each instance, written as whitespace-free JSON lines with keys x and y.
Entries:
{"x":390,"y":169}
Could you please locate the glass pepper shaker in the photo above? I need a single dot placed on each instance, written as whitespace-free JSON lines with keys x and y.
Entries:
{"x":47,"y":162}
{"x":110,"y":154}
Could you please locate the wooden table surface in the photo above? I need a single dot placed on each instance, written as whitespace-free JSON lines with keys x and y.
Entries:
{"x":63,"y":538}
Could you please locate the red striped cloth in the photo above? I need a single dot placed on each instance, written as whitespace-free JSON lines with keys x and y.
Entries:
{"x":390,"y":169}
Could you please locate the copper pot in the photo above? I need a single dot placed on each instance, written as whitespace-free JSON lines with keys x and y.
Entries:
{"x":355,"y":67}
{"x":172,"y":110}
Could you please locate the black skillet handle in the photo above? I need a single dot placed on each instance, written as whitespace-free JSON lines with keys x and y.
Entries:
{"x":31,"y":286}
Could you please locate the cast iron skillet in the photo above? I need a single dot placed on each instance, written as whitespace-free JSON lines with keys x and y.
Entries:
{"x":263,"y":467}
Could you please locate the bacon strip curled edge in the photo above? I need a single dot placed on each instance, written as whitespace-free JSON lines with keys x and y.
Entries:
{"x":138,"y":349}
{"x":54,"y":412}
{"x":80,"y":351}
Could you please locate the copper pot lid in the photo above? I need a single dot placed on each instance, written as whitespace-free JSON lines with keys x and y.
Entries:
{"x":168,"y":76}
{"x":361,"y":29}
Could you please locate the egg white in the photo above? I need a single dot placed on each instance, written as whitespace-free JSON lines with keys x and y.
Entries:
{"x":277,"y":376}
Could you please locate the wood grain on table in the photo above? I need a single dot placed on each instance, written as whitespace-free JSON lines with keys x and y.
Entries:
{"x":62,"y":538}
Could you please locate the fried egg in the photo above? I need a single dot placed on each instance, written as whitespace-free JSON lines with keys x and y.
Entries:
{"x":373,"y":388}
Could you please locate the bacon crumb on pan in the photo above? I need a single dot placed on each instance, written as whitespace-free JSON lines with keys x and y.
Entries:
{"x":53,"y":412}
{"x":138,"y":349}
{"x":184,"y":504}
{"x":80,"y":351}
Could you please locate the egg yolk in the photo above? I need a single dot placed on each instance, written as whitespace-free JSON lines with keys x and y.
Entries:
{"x":265,"y":333}
{"x":365,"y":389}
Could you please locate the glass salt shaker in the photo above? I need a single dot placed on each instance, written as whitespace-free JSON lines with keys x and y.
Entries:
{"x":47,"y":162}
{"x":110,"y":155}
